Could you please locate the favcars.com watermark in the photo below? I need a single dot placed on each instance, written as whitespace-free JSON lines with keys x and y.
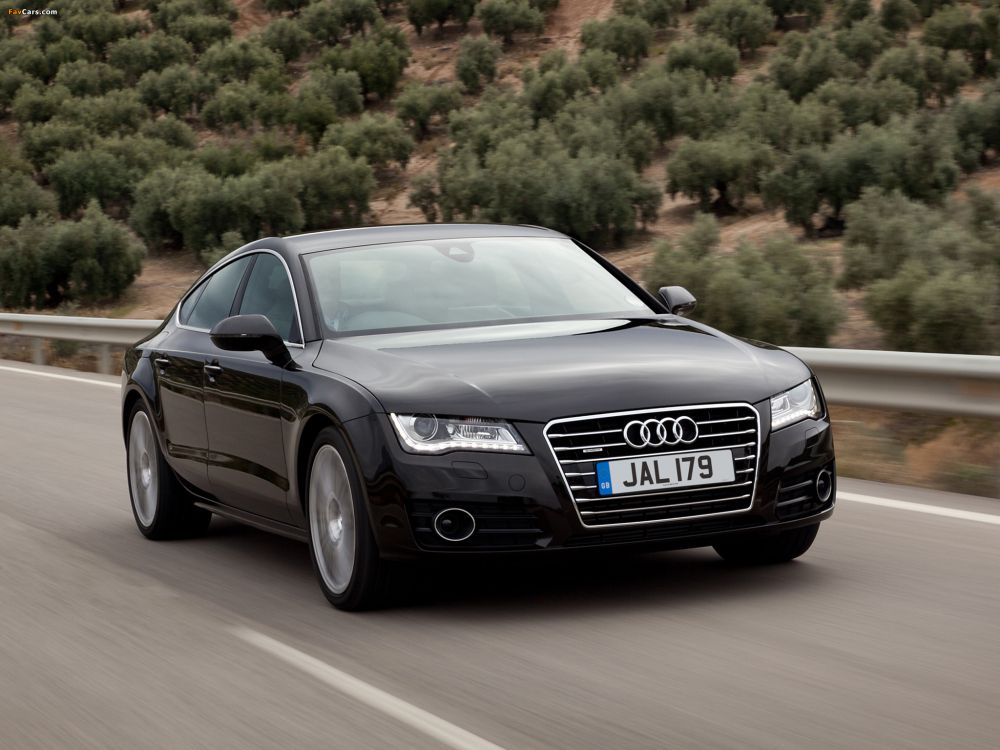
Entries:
{"x":32,"y":12}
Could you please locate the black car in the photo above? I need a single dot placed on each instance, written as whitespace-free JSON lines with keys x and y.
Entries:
{"x":392,"y":393}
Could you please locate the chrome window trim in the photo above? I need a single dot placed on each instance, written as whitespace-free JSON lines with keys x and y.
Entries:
{"x":655,"y":410}
{"x":218,"y":267}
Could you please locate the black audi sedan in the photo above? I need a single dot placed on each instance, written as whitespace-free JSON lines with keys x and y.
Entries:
{"x":392,"y":393}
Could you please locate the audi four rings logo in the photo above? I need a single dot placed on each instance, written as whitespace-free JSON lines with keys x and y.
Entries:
{"x":651,"y":433}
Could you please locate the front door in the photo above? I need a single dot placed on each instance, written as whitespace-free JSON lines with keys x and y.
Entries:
{"x":179,"y":362}
{"x":243,"y":407}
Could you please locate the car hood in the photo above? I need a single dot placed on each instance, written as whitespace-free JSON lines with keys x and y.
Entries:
{"x":540,"y":371}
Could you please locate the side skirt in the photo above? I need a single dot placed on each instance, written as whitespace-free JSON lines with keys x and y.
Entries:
{"x":258,"y":522}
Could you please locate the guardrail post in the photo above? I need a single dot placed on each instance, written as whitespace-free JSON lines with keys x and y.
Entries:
{"x":104,"y":359}
{"x":38,"y":351}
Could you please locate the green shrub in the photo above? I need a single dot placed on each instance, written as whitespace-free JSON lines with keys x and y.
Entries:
{"x":80,"y":176}
{"x":136,"y":56}
{"x":99,"y":30}
{"x":477,"y":62}
{"x":811,"y":9}
{"x":709,"y":54}
{"x":232,"y":105}
{"x":286,"y":36}
{"x":927,"y":70}
{"x":768,"y":114}
{"x":238,"y":60}
{"x":84,"y":78}
{"x":955,"y":28}
{"x":977,"y":129}
{"x":422,"y":13}
{"x":628,"y":37}
{"x":45,"y":263}
{"x":745,"y":24}
{"x":504,"y":18}
{"x":45,"y":142}
{"x":862,"y":42}
{"x":25,"y":54}
{"x":378,"y":60}
{"x":200,"y":31}
{"x":114,"y":112}
{"x":324,"y":97}
{"x":862,"y":102}
{"x":226,"y":159}
{"x":897,"y":16}
{"x":21,"y":196}
{"x":804,"y":62}
{"x":38,"y":104}
{"x":771,"y":292}
{"x":171,"y":131}
{"x":323,"y":21}
{"x":180,"y":89}
{"x":357,"y":15}
{"x":850,"y":12}
{"x":419,"y":103}
{"x":336,"y":188}
{"x":660,"y":14}
{"x":12,"y":79}
{"x":728,"y":168}
{"x":379,"y":139}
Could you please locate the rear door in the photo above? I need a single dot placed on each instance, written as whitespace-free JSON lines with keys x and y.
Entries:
{"x":243,"y":405}
{"x":179,"y":364}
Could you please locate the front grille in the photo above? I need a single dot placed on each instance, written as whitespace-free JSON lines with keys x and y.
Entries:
{"x":579,"y":443}
{"x":501,"y":523}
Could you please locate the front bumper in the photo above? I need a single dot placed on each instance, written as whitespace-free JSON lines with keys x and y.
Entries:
{"x":521,"y":503}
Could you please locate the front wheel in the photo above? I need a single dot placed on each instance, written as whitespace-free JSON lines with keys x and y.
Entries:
{"x":768,"y":549}
{"x":344,"y":553}
{"x":163,"y":509}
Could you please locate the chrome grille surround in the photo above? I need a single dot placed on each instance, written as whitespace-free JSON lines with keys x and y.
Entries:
{"x":578,"y":443}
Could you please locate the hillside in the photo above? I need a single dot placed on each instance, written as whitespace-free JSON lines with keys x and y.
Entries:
{"x":290,"y":115}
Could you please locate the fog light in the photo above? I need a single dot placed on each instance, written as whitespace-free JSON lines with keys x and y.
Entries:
{"x":824,"y":485}
{"x":454,"y":524}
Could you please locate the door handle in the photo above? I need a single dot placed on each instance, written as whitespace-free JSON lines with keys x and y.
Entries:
{"x":213,"y":369}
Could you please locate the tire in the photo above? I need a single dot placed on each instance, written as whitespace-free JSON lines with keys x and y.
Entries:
{"x":768,"y":549}
{"x":342,"y":547}
{"x":162,"y":508}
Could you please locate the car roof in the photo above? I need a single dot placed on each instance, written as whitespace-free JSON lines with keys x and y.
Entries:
{"x":300,"y":244}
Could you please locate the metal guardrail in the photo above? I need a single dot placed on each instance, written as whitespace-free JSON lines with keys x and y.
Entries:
{"x":103,"y":332}
{"x":955,"y":384}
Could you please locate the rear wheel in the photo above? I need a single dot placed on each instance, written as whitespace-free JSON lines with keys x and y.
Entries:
{"x":163,"y":509}
{"x":768,"y":549}
{"x":344,"y":553}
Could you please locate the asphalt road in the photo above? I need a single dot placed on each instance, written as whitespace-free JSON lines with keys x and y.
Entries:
{"x":887,"y":634}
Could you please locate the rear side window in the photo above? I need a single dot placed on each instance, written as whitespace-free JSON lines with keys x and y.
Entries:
{"x":212,"y":301}
{"x":269,"y":293}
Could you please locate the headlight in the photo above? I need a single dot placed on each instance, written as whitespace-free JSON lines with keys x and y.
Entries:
{"x":793,"y":405}
{"x":426,"y":433}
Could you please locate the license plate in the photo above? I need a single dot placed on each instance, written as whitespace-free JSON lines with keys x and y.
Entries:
{"x":669,"y":471}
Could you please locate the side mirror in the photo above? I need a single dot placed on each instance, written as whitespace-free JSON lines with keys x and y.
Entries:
{"x":678,"y":300}
{"x":251,"y":333}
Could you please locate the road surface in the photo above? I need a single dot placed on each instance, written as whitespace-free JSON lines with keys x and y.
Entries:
{"x":887,"y":634}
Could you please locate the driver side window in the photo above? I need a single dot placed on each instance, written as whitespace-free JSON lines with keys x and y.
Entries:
{"x":269,"y":293}
{"x":212,"y":301}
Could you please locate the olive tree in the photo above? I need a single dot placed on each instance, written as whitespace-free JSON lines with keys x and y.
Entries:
{"x":477,"y":62}
{"x":504,"y":18}
{"x":745,"y":24}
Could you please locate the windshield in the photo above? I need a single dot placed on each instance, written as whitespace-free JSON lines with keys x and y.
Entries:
{"x":463,"y":282}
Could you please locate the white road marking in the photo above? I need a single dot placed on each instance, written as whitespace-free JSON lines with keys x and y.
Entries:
{"x":423,"y":721}
{"x":57,"y":376}
{"x":933,"y":510}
